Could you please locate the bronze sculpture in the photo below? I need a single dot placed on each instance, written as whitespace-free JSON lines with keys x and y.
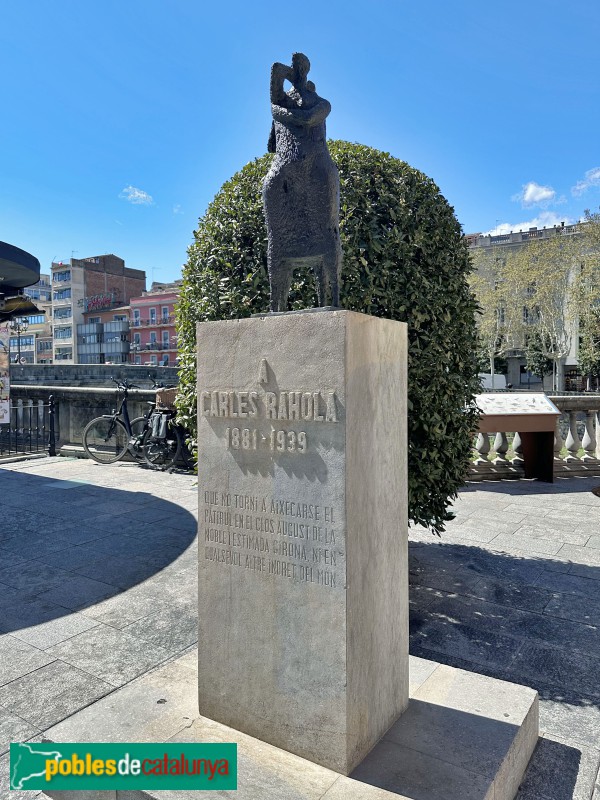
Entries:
{"x":301,"y":192}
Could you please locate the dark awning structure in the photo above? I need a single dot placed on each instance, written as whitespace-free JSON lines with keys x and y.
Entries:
{"x":18,"y":269}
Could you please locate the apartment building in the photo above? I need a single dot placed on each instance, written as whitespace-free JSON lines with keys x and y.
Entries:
{"x":31,"y":341}
{"x":103,"y":337}
{"x":517,"y":373}
{"x":83,"y":288}
{"x":152,"y":321}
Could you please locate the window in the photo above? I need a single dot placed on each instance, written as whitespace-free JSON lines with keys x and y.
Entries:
{"x":65,"y":275}
{"x":63,"y":333}
{"x":136,"y":338}
{"x":120,"y":317}
{"x":152,"y":316}
{"x":165,"y":313}
{"x":44,"y":346}
{"x":25,"y":341}
{"x":62,"y":294}
{"x":153,"y":361}
{"x":137,"y":360}
{"x":62,"y":313}
{"x":153,"y":337}
{"x":136,"y":317}
{"x":165,"y":340}
{"x":93,"y":320}
{"x":36,"y":319}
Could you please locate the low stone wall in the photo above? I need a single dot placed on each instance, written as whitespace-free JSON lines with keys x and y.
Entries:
{"x":91,"y":375}
{"x":77,"y":405}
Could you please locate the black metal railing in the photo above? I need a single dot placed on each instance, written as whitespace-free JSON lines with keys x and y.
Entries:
{"x":32,"y":428}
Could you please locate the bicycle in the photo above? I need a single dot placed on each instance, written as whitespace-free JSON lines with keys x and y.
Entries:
{"x":164,"y":443}
{"x":108,"y":438}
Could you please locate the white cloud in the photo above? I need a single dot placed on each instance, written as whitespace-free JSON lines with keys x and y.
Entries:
{"x":532,"y":194}
{"x":592,"y":179}
{"x":177,"y":209}
{"x":546,"y":219}
{"x":136,"y":196}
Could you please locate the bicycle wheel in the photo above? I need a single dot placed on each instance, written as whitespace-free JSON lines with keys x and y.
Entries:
{"x":105,"y":440}
{"x":139,"y":426}
{"x":162,"y":453}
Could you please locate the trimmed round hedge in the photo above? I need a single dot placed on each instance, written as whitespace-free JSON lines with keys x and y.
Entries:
{"x":404,"y":258}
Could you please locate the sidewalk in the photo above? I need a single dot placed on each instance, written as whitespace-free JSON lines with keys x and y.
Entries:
{"x":513,"y":591}
{"x":98,"y":586}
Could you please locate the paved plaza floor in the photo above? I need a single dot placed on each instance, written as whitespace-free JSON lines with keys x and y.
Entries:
{"x":98,"y":586}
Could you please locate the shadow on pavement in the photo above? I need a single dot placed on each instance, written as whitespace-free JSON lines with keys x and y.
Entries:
{"x":532,"y":620}
{"x":66,"y":546}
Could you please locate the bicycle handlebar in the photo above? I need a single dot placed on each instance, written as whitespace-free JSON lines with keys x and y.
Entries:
{"x":124,"y":385}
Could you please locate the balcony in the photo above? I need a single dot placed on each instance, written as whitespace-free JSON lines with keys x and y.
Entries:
{"x":116,"y":326}
{"x":153,"y":323}
{"x":89,"y":328}
{"x":138,"y":348}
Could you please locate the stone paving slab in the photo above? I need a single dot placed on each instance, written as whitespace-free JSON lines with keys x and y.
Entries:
{"x":51,"y":693}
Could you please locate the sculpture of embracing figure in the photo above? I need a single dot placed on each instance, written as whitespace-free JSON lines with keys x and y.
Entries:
{"x":301,"y":192}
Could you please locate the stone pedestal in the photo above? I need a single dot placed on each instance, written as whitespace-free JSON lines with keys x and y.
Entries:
{"x":303,"y":575}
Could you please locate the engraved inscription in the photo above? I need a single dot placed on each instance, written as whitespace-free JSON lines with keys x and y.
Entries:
{"x":289,"y":406}
{"x":277,"y":441}
{"x":286,"y":539}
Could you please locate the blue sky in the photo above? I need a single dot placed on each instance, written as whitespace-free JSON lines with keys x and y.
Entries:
{"x":121,"y":120}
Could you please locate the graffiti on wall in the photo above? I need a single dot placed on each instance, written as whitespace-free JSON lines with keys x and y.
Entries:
{"x":97,"y":302}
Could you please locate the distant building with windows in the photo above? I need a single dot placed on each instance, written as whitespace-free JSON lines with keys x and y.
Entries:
{"x":152,"y":320}
{"x":34,"y":344}
{"x":85,"y":287}
{"x":103,"y":337}
{"x":142,"y":332}
{"x":517,"y":373}
{"x":40,"y":291}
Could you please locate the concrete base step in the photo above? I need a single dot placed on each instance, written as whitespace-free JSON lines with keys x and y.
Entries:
{"x":463,"y":737}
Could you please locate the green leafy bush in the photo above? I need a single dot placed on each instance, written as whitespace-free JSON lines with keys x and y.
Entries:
{"x":404,"y":259}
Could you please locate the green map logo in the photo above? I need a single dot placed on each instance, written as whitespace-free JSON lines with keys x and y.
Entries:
{"x":102,"y":766}
{"x":28,"y":761}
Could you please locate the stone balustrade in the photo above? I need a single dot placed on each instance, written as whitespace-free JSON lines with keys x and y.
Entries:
{"x":578,"y":428}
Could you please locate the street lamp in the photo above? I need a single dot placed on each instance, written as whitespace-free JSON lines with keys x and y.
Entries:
{"x":19,"y":325}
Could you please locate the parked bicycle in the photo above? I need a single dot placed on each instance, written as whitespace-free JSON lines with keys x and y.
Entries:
{"x":163,"y":444}
{"x":154,"y":438}
{"x":108,"y":438}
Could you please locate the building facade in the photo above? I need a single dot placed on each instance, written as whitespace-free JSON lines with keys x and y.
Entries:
{"x":33,"y":343}
{"x":86,"y":287}
{"x":103,"y":337}
{"x":152,"y":322}
{"x":517,"y":374}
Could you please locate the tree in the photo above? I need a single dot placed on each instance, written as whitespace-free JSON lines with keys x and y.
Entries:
{"x":589,"y":299}
{"x":496,"y":321}
{"x":545,"y":277}
{"x":589,"y":344}
{"x":536,"y":361}
{"x":404,"y":258}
